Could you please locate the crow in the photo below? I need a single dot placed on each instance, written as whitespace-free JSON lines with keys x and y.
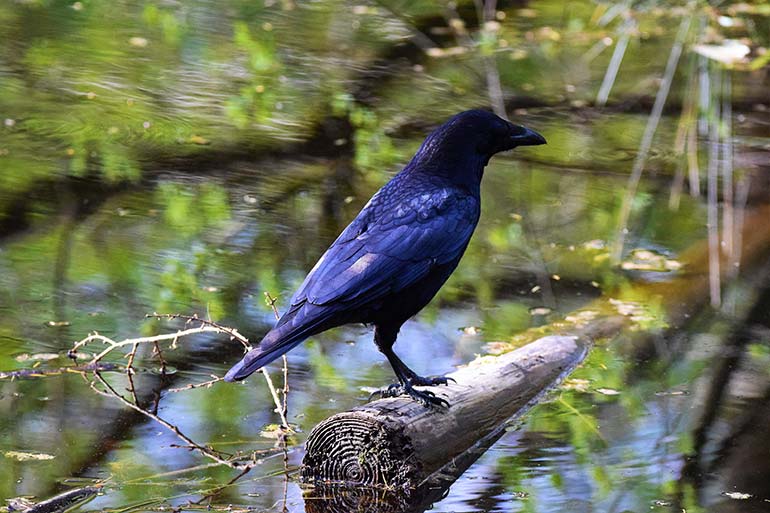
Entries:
{"x":399,"y":250}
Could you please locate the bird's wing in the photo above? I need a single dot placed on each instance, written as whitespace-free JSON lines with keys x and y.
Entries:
{"x":385,"y":252}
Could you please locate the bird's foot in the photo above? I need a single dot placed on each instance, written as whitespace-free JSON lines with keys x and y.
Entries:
{"x":424,"y":397}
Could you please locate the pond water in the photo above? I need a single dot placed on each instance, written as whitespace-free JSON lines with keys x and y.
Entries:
{"x":187,"y":157}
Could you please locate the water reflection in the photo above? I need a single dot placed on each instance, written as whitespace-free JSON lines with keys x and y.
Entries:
{"x":187,"y":157}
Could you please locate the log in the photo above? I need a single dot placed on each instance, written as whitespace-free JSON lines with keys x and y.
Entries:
{"x":399,"y":443}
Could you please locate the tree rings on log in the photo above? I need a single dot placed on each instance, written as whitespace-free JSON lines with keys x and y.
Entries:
{"x":366,"y":451}
{"x":398,"y":443}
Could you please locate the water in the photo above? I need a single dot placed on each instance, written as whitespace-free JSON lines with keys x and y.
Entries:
{"x":186,"y":158}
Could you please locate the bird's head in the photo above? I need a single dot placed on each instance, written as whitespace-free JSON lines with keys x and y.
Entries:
{"x":469,"y":139}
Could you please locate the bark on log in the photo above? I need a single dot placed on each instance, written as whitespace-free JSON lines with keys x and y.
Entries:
{"x":397,"y":442}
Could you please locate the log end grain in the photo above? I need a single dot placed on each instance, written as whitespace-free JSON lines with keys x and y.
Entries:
{"x":397,"y":442}
{"x":358,"y":449}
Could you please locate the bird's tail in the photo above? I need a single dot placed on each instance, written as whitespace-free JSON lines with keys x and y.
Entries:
{"x":258,"y":358}
{"x":293,"y":328}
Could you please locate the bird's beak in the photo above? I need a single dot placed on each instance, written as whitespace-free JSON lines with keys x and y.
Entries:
{"x":524,"y":136}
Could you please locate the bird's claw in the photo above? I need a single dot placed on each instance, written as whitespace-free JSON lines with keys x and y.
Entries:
{"x":424,"y":397}
{"x":392,"y":390}
{"x":427,"y":398}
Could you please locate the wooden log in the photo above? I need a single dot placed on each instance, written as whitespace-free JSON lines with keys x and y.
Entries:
{"x":399,"y":443}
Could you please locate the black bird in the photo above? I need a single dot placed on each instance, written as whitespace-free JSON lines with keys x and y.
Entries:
{"x":399,"y":250}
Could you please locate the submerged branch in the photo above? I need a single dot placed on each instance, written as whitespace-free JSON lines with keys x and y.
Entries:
{"x":78,"y":369}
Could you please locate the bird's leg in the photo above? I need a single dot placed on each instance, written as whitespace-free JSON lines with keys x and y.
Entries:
{"x":407,"y":378}
{"x":407,"y":375}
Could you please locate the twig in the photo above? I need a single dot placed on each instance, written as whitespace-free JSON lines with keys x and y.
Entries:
{"x":156,"y":351}
{"x":113,"y":345}
{"x":107,"y":390}
{"x":130,"y":372}
{"x":276,"y":400}
{"x":281,"y":407}
{"x":285,"y":390}
{"x":208,"y":496}
{"x":285,"y":429}
{"x":194,"y":318}
{"x":191,"y":386}
{"x":217,"y":456}
{"x":131,"y":356}
{"x":271,"y":301}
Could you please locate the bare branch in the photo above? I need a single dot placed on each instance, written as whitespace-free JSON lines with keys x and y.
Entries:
{"x":113,"y":345}
{"x":194,"y":318}
{"x":217,"y":456}
{"x":190,"y":386}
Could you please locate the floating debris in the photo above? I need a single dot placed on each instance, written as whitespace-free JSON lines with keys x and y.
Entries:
{"x":28,"y":456}
{"x":638,"y":313}
{"x":38,"y":357}
{"x":446,"y":52}
{"x":648,"y":260}
{"x":57,"y":324}
{"x":582,"y":317}
{"x":59,"y":503}
{"x":671,"y":393}
{"x":272,"y":431}
{"x":729,"y":52}
{"x":197,"y":139}
{"x":626,"y":308}
{"x":738,"y":496}
{"x":540,"y":310}
{"x":576,"y":384}
{"x":138,"y":42}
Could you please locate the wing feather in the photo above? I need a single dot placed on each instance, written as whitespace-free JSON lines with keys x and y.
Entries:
{"x":374,"y":257}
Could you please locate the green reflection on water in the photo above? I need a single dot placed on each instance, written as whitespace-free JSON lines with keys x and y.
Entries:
{"x":187,"y":157}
